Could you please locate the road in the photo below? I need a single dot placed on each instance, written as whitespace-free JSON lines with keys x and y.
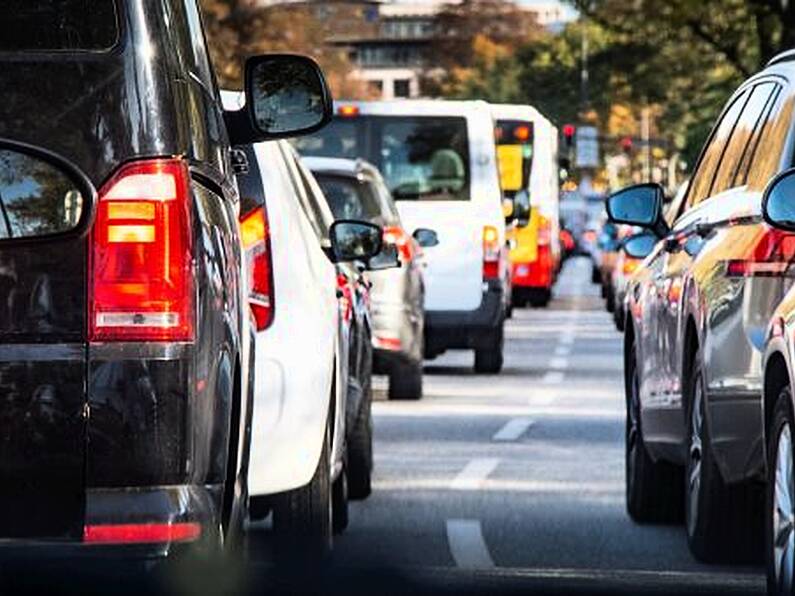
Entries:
{"x":516,"y":480}
{"x":505,"y":484}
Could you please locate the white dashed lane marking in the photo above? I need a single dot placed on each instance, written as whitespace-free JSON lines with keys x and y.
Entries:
{"x":513,"y":429}
{"x":474,"y":474}
{"x":467,"y":545}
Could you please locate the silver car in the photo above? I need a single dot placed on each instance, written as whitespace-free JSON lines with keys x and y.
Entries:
{"x":355,"y":190}
{"x":696,"y":323}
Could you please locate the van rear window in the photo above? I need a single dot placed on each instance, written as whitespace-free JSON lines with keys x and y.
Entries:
{"x":58,"y":25}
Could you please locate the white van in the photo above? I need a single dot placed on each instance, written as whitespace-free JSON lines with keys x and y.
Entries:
{"x":439,"y":160}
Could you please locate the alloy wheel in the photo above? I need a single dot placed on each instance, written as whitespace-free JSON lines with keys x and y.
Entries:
{"x":695,"y":454}
{"x":784,"y":514}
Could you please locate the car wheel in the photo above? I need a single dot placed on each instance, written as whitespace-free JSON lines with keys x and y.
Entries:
{"x":540,"y":298}
{"x":618,"y":318}
{"x":722,"y":522}
{"x":780,"y":500}
{"x":405,"y":381}
{"x":596,"y":275}
{"x":302,"y":518}
{"x":610,"y":299}
{"x":360,"y":451}
{"x":339,"y":502}
{"x":488,"y":360}
{"x":653,"y":489}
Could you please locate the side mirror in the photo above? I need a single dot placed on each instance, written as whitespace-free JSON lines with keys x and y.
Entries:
{"x":778,"y":201}
{"x":639,"y":205}
{"x":640,"y":245}
{"x":426,"y":238}
{"x":521,"y":208}
{"x":388,"y":258}
{"x":286,"y":96}
{"x":355,"y":240}
{"x":507,"y":210}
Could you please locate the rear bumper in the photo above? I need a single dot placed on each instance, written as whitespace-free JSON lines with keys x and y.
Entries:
{"x":536,"y":274}
{"x":465,"y":329}
{"x":170,"y":505}
{"x":396,"y":335}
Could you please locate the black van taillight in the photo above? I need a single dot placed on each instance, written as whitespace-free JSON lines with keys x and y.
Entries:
{"x":141,"y":284}
{"x":256,"y":241}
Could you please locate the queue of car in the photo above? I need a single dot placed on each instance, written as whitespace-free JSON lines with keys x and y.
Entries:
{"x":708,"y":345}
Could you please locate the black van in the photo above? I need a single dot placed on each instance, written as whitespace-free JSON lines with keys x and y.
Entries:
{"x":124,"y":319}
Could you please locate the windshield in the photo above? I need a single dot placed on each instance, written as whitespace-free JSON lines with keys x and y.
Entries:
{"x":422,"y":158}
{"x":40,"y":25}
{"x":350,"y":198}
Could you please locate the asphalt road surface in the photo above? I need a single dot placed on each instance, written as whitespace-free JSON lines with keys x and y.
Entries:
{"x":505,"y":484}
{"x":515,"y":482}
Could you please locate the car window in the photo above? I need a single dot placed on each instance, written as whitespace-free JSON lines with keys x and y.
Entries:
{"x":350,"y":198}
{"x":701,"y":185}
{"x":761,"y":125}
{"x":33,"y":25}
{"x":766,"y":160}
{"x":741,"y":137}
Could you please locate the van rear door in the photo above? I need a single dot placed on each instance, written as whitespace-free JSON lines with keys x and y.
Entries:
{"x":425,"y":161}
{"x":44,"y":209}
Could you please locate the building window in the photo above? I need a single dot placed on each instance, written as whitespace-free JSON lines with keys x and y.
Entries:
{"x":376,"y":87}
{"x":402,"y":88}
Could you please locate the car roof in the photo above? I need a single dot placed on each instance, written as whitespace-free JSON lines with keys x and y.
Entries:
{"x":418,"y":107}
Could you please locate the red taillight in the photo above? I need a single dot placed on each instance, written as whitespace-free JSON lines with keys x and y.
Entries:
{"x":152,"y":533}
{"x":402,"y":241}
{"x":772,"y":254}
{"x":142,"y":282}
{"x":256,"y":242}
{"x":345,"y":294}
{"x":491,"y":253}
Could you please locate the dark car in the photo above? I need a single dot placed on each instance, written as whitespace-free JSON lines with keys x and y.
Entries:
{"x":698,"y":316}
{"x":125,"y":321}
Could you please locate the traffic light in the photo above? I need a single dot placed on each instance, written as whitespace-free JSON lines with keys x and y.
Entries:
{"x":568,"y":135}
{"x":626,"y":144}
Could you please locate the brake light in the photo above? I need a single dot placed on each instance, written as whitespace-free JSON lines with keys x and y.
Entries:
{"x":141,"y":258}
{"x":348,"y":111}
{"x":544,"y":231}
{"x":771,"y":255}
{"x":491,"y":253}
{"x":152,"y":533}
{"x":256,"y":241}
{"x":402,"y":241}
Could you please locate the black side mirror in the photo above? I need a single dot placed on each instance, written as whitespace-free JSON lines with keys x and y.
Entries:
{"x":640,"y":245}
{"x":426,"y":238}
{"x":286,"y":96}
{"x":355,"y":240}
{"x":778,"y":201}
{"x":639,"y":205}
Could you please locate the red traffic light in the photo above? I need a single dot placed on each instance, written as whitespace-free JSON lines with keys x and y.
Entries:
{"x":626,"y":144}
{"x":569,"y":130}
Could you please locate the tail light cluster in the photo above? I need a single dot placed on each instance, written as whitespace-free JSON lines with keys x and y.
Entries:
{"x":345,"y":294}
{"x":492,"y":252}
{"x":630,"y":265}
{"x":771,"y":256}
{"x":255,"y":236}
{"x":402,"y":241}
{"x":141,"y":260}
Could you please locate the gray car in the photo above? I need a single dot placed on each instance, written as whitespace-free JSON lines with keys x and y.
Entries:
{"x":355,"y":190}
{"x":697,"y":319}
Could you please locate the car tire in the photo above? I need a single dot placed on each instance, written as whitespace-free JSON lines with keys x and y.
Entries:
{"x":489,"y":359}
{"x":722,"y":522}
{"x":618,"y":318}
{"x":360,"y":451}
{"x":339,"y":502}
{"x":540,"y":298}
{"x":596,"y":275}
{"x":303,"y":518}
{"x":405,"y":381}
{"x":610,"y":299}
{"x":654,"y":489}
{"x":780,"y":499}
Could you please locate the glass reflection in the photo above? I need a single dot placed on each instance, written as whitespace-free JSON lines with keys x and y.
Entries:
{"x":781,"y":201}
{"x":36,"y":198}
{"x":287,"y":97}
{"x":354,"y":241}
{"x":636,"y":205}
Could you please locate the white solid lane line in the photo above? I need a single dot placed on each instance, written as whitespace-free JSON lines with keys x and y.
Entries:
{"x":559,"y":363}
{"x":467,"y":546}
{"x":513,"y":429}
{"x":474,"y":474}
